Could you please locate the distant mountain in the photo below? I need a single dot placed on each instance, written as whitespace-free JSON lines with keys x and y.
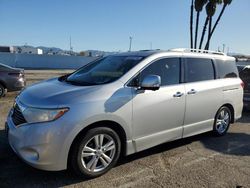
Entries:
{"x":95,"y":53}
{"x":58,"y":51}
{"x":50,"y":49}
{"x":235,"y":54}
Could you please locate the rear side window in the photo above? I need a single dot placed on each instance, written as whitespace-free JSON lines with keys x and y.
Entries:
{"x":226,"y":69}
{"x":198,"y":69}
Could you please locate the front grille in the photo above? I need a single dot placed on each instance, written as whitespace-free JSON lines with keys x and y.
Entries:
{"x":17,"y":116}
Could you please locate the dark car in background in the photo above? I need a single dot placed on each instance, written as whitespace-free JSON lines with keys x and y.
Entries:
{"x":244,"y":73}
{"x":11,"y":79}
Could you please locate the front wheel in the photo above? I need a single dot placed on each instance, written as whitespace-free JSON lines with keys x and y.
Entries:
{"x":96,"y":153}
{"x":222,"y":121}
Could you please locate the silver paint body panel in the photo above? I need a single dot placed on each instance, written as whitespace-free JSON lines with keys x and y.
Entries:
{"x":148,"y":117}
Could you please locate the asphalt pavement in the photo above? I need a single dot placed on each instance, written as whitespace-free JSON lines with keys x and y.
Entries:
{"x":199,"y":161}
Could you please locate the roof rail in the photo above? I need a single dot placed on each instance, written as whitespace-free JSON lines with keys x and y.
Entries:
{"x":195,"y":51}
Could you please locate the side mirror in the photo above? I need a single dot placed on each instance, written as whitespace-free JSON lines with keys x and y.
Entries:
{"x":151,"y":82}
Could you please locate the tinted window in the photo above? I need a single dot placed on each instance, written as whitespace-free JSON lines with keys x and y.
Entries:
{"x":227,"y":69}
{"x":104,"y":70}
{"x":168,"y":69}
{"x":198,"y":69}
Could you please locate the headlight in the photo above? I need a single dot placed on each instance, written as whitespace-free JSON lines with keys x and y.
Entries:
{"x":35,"y":115}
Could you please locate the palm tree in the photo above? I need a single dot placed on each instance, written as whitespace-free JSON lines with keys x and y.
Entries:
{"x":210,"y":24}
{"x":209,"y":32}
{"x":226,"y":3}
{"x":198,"y":4}
{"x":191,"y":23}
{"x":210,"y":10}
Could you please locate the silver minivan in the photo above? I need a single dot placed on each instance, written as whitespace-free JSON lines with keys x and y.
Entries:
{"x":122,"y":104}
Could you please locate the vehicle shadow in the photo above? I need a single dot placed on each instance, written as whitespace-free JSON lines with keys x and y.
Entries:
{"x":245,"y":117}
{"x":14,"y":172}
{"x":231,"y":144}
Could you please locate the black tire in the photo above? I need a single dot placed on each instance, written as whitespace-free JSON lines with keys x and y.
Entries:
{"x":225,"y":122}
{"x":2,"y":91}
{"x":76,"y":159}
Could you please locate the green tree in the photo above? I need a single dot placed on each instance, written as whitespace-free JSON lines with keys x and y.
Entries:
{"x":82,"y":53}
{"x":225,"y":4}
{"x":198,"y":4}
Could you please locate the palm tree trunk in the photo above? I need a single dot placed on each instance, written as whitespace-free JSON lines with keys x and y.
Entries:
{"x":209,"y":33}
{"x":204,"y":32}
{"x":216,"y":23}
{"x":196,"y":29}
{"x":191,"y":24}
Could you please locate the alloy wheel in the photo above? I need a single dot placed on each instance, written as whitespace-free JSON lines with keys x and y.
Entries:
{"x":223,"y":121}
{"x":98,"y":153}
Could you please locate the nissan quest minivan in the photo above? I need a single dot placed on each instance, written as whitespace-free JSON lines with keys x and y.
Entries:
{"x":122,"y":104}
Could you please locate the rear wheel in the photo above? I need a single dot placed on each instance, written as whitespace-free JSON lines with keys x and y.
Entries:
{"x":96,"y":153}
{"x":2,"y":91}
{"x":222,"y":121}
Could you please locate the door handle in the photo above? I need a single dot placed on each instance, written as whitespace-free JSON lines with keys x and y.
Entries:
{"x":178,"y":94}
{"x":191,"y":92}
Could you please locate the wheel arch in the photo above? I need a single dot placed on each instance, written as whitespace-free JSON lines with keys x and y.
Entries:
{"x":3,"y":84}
{"x":231,"y":108}
{"x":105,"y":123}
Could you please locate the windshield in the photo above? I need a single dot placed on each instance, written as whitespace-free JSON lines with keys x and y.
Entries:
{"x":102,"y":71}
{"x":4,"y":67}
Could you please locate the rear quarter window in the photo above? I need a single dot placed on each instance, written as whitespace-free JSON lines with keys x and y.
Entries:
{"x":227,"y":69}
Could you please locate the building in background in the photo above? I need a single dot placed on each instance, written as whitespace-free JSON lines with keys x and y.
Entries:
{"x":26,"y":50}
{"x":21,"y":50}
{"x":4,"y":49}
{"x":43,"y":50}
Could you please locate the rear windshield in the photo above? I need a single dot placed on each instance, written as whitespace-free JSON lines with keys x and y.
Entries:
{"x":102,"y":71}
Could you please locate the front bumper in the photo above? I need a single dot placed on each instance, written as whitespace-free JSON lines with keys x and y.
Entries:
{"x":39,"y":145}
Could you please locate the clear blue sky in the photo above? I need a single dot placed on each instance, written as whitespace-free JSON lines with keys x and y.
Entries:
{"x":107,"y":24}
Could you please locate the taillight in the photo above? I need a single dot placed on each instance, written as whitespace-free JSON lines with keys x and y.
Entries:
{"x":242,"y":84}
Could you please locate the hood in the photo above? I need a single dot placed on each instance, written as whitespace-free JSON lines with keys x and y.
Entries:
{"x":55,"y":94}
{"x":16,"y":69}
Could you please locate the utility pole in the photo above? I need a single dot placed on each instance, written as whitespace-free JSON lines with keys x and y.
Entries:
{"x":151,"y":46}
{"x":70,"y":46}
{"x":130,"y":43}
{"x":223,"y":50}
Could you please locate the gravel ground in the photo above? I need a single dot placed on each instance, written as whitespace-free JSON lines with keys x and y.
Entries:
{"x":199,"y":161}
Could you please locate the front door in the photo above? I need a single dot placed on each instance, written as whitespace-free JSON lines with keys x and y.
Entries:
{"x":158,"y":115}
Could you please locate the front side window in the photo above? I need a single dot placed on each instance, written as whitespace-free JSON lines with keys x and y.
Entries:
{"x":168,"y":69}
{"x":102,"y":71}
{"x":198,"y":69}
